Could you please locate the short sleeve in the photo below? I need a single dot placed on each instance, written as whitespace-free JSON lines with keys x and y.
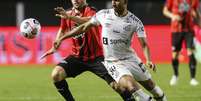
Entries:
{"x":139,"y":28}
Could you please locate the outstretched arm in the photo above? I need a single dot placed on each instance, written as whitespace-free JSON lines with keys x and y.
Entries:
{"x":52,"y":49}
{"x":143,"y":43}
{"x":80,"y":29}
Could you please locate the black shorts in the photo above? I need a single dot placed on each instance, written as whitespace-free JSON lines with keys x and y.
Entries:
{"x":180,"y":37}
{"x":74,"y":66}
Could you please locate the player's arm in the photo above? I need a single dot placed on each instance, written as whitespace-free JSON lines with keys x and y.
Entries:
{"x":61,"y":35}
{"x":143,"y":42}
{"x":80,"y":29}
{"x":169,"y":14}
{"x":146,"y":50}
{"x":62,"y":14}
{"x":52,"y":49}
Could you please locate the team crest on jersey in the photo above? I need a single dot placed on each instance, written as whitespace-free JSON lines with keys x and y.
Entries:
{"x":127,"y":28}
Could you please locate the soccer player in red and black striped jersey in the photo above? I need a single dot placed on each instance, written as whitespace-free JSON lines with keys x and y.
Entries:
{"x":87,"y":50}
{"x":182,"y":14}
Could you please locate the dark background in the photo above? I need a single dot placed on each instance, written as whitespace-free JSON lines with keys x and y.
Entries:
{"x":149,"y":11}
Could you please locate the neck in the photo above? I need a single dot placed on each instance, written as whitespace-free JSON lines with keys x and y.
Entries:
{"x":80,"y":8}
{"x":121,"y":13}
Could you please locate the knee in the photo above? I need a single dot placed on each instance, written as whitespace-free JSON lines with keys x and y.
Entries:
{"x":117,"y":87}
{"x":58,"y":74}
{"x":128,"y":83}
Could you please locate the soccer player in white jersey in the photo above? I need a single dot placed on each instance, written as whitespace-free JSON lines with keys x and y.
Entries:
{"x":123,"y":64}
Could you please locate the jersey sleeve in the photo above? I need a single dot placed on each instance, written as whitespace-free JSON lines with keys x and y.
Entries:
{"x":196,"y":4}
{"x":139,"y":28}
{"x":169,"y":4}
{"x":91,"y":12}
{"x":95,"y":20}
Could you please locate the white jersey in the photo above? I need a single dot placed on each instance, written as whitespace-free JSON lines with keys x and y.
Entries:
{"x":117,"y":33}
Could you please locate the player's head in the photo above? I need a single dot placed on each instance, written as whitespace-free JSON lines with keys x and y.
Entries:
{"x":77,"y":4}
{"x":119,"y":5}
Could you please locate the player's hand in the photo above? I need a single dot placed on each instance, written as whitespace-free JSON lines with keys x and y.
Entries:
{"x":151,"y":65}
{"x":61,"y":13}
{"x":176,"y":18}
{"x":49,"y":52}
{"x":56,"y":45}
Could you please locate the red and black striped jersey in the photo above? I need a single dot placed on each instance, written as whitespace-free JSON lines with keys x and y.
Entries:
{"x":86,"y":46}
{"x":185,"y":9}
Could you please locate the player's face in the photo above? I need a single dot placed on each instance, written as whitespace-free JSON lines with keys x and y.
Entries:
{"x":118,"y":5}
{"x":78,"y":3}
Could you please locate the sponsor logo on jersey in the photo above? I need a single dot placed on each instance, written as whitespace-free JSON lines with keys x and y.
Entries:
{"x":118,"y":41}
{"x":114,"y":41}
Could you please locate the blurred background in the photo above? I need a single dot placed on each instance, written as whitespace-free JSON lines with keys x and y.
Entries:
{"x":13,"y":11}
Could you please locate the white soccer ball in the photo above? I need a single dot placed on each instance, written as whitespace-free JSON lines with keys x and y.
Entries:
{"x":30,"y":28}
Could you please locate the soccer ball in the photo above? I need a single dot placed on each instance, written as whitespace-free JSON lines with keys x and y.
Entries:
{"x":30,"y":28}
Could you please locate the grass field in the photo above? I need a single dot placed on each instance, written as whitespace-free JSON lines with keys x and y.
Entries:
{"x":33,"y":83}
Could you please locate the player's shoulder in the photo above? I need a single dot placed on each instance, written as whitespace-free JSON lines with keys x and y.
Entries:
{"x":133,"y":17}
{"x":91,"y":8}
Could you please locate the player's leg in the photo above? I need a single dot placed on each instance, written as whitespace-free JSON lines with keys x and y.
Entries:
{"x":128,"y":83}
{"x":155,"y":90}
{"x":68,"y":67}
{"x":125,"y":80}
{"x":58,"y":76}
{"x":176,"y":47}
{"x":99,"y":69}
{"x":142,"y":75}
{"x":125,"y":94}
{"x":192,"y":61}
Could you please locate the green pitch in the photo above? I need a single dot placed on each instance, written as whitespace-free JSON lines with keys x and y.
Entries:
{"x":33,"y":83}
